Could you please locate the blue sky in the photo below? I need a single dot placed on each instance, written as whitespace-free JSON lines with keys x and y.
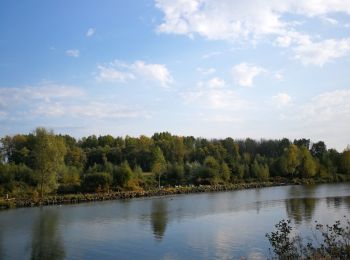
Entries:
{"x":210,"y":68}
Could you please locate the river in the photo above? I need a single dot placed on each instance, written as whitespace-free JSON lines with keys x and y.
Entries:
{"x":222,"y":225}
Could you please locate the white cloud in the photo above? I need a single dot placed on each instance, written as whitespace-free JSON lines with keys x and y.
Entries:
{"x":333,"y":105}
{"x":251,"y":21}
{"x":319,"y":53}
{"x":281,"y":99}
{"x":222,"y":118}
{"x":218,"y":20}
{"x":206,"y":71}
{"x":45,"y":91}
{"x":216,"y":83}
{"x":90,"y":32}
{"x":213,"y":94}
{"x":330,"y":20}
{"x":110,"y":74}
{"x":283,"y":41}
{"x":53,"y":109}
{"x":122,"y":72}
{"x":157,"y":72}
{"x":73,"y":53}
{"x":211,"y":54}
{"x":244,"y":73}
{"x":90,"y":109}
{"x":234,"y":20}
{"x":292,"y":37}
{"x":279,"y":76}
{"x":325,"y":116}
{"x":53,"y":100}
{"x":21,"y":101}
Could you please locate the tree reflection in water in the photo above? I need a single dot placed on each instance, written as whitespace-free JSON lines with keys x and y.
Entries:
{"x":301,"y":209}
{"x":335,"y":202}
{"x":301,"y":203}
{"x":46,"y":240}
{"x":159,"y":218}
{"x":347,"y":202}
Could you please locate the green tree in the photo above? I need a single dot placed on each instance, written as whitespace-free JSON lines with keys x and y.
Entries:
{"x":96,"y":156}
{"x":6,"y":178}
{"x":48,"y":153}
{"x":22,"y":173}
{"x":240,"y":170}
{"x":158,"y":164}
{"x":122,"y":175}
{"x":225,"y":172}
{"x":69,"y":179}
{"x":138,"y":172}
{"x":231,"y":147}
{"x":319,"y":149}
{"x":307,"y":167}
{"x":175,"y":173}
{"x":192,"y":171}
{"x":290,"y":161}
{"x":302,"y":143}
{"x":70,"y":175}
{"x":75,"y":157}
{"x":178,"y":149}
{"x":345,"y":162}
{"x":96,"y":182}
{"x":264,"y":172}
{"x":260,"y":170}
{"x":211,"y":171}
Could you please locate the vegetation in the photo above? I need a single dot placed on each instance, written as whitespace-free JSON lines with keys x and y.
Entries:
{"x":328,"y":242}
{"x":42,"y":163}
{"x":48,"y":157}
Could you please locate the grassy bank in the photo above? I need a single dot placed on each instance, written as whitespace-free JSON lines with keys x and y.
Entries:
{"x":89,"y":197}
{"x":57,"y":199}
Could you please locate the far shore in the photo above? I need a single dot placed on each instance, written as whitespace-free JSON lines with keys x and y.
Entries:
{"x":8,"y":203}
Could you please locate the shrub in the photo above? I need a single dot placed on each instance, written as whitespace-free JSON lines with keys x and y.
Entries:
{"x":96,"y":182}
{"x":122,"y":175}
{"x":334,"y":244}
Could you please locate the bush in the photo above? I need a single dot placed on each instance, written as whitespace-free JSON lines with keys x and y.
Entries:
{"x":70,"y":176}
{"x":96,"y":182}
{"x":13,"y":176}
{"x":68,"y":188}
{"x":122,"y":175}
{"x":334,"y":244}
{"x":283,"y":244}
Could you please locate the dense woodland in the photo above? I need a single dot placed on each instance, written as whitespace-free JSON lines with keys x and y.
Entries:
{"x":41,"y":162}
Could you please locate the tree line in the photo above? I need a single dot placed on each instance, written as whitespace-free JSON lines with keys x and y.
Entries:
{"x":43,"y":162}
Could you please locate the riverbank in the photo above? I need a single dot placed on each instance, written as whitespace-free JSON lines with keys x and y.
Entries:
{"x":121,"y":195}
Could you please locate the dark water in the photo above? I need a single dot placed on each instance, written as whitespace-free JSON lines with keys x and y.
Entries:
{"x":226,"y":225}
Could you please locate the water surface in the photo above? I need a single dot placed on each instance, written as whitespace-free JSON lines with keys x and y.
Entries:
{"x":223,"y":225}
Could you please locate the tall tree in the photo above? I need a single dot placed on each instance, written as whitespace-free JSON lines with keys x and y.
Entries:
{"x":75,"y":157}
{"x":319,"y":149}
{"x":49,"y":151}
{"x":307,"y":167}
{"x":345,"y":162}
{"x":225,"y":172}
{"x":122,"y":174}
{"x":159,"y":163}
{"x":290,"y":161}
{"x":302,"y":142}
{"x":211,"y":170}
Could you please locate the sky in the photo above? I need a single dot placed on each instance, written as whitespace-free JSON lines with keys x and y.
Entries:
{"x":206,"y":68}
